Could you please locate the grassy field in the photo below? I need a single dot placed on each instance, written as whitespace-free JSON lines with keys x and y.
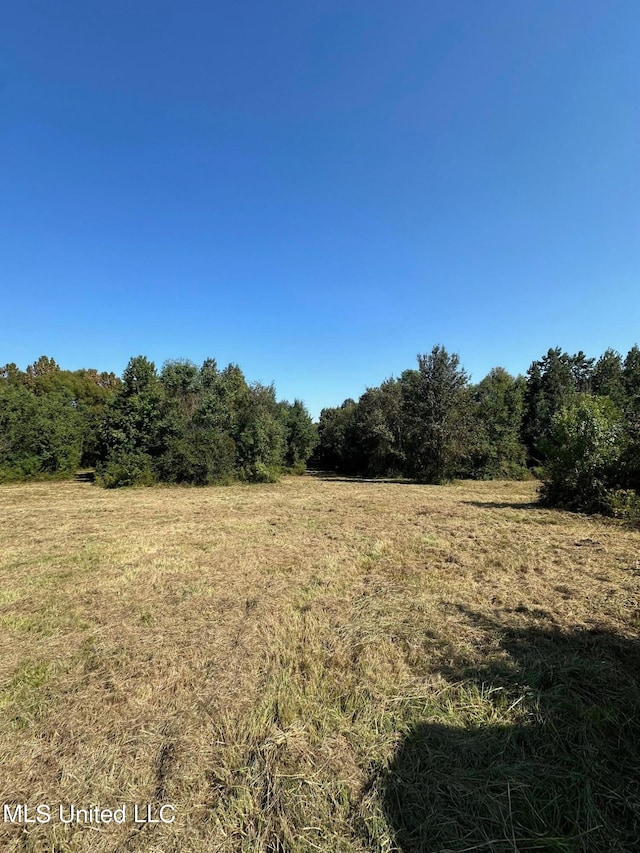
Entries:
{"x":318,"y":665}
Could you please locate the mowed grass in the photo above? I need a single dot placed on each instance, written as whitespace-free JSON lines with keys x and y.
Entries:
{"x":319,"y":665}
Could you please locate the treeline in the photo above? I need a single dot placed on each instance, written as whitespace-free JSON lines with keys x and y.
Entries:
{"x":186,"y":424}
{"x":573,"y":421}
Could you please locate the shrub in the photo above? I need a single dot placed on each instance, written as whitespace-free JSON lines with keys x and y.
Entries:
{"x":582,"y":452}
{"x":126,"y":469}
{"x":298,"y":469}
{"x":258,"y":472}
{"x":623,"y":503}
{"x":198,"y":457}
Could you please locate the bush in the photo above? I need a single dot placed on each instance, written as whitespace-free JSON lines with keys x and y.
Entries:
{"x":623,"y":503}
{"x":126,"y":469}
{"x":258,"y":472}
{"x":39,"y":436}
{"x":198,"y":457}
{"x":298,"y":469}
{"x":583,"y":450}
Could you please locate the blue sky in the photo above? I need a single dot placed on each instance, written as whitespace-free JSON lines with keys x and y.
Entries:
{"x":318,"y":191}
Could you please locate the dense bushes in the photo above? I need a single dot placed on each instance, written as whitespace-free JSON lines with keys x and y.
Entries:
{"x":583,"y":452}
{"x":49,"y":419}
{"x":186,"y":425}
{"x":430,"y":424}
{"x":496,"y":411}
{"x":199,"y":426}
{"x":572,"y":421}
{"x":40,"y":435}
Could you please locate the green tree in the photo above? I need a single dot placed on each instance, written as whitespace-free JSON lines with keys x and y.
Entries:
{"x":38,"y":435}
{"x":182,"y":383}
{"x":497,"y":404}
{"x":300,"y":433}
{"x":583,"y":450}
{"x":11,"y":374}
{"x":608,"y":379}
{"x":631,"y":380}
{"x":436,"y":416}
{"x":133,"y":432}
{"x":378,"y":429}
{"x":551,"y":383}
{"x":630,"y":461}
{"x":260,"y":444}
{"x":336,"y":430}
{"x":39,"y":374}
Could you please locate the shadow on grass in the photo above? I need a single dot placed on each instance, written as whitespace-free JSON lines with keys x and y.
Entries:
{"x":537,"y":751}
{"x":347,"y":478}
{"x":505,"y":504}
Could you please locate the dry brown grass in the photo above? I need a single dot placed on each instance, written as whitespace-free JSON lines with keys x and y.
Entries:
{"x":259,"y":655}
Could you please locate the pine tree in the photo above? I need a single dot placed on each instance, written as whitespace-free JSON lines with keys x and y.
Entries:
{"x":436,"y":416}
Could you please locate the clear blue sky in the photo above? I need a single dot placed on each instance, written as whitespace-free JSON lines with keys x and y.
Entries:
{"x":318,"y":191}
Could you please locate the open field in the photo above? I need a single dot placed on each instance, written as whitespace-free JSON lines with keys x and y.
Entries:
{"x":318,"y":665}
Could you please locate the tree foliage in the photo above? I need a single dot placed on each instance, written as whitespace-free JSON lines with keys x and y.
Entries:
{"x":497,"y":404}
{"x":435,"y":415}
{"x":583,"y":450}
{"x":431,"y":424}
{"x":551,"y":383}
{"x":199,"y":426}
{"x":574,"y":421}
{"x":49,"y":418}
